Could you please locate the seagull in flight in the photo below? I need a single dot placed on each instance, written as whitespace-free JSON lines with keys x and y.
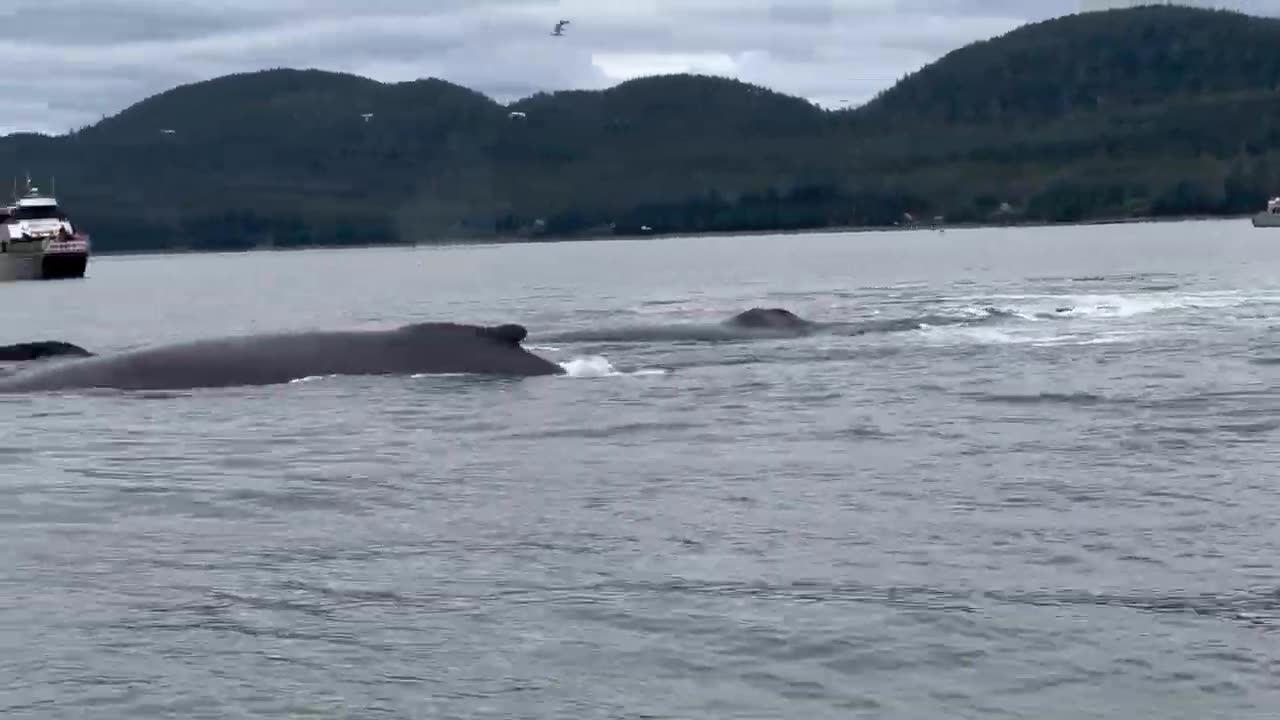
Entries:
{"x":560,"y":28}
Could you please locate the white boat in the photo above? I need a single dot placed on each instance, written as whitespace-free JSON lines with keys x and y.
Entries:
{"x":38,"y":242}
{"x":1269,"y":217}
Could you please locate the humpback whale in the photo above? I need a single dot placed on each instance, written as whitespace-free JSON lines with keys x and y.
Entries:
{"x":757,"y":323}
{"x":771,"y":318}
{"x":419,"y":348}
{"x":774,"y":323}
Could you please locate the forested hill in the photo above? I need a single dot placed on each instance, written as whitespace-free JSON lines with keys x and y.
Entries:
{"x":1126,"y":113}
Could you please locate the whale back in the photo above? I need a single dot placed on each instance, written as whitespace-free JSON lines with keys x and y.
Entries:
{"x":459,"y":348}
{"x":421,"y":348}
{"x":510,"y":334}
{"x":774,"y":318}
{"x":435,"y":333}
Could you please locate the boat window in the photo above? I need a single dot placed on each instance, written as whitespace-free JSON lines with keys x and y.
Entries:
{"x":40,"y":212}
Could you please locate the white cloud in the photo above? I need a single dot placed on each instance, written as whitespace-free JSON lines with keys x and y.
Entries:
{"x":109,"y":54}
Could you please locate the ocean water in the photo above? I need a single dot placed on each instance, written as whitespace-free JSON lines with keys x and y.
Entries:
{"x":1041,"y":483}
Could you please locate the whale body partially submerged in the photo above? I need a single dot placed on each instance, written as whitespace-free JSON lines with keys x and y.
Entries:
{"x":757,"y":323}
{"x":420,"y":348}
{"x":40,"y":350}
{"x":771,"y":319}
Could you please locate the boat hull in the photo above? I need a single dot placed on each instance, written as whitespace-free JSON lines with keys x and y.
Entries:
{"x":1266,"y":220}
{"x":20,"y":267}
{"x":42,"y":266}
{"x":63,"y":266}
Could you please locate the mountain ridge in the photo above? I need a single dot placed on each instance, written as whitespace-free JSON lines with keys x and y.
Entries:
{"x":1141,"y":112}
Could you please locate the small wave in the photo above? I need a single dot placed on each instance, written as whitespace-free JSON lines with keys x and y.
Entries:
{"x":1121,"y":277}
{"x":665,"y":303}
{"x":1075,"y":398}
{"x":1081,"y":340}
{"x":1149,"y":300}
{"x":1260,"y":607}
{"x":608,"y":431}
{"x":979,"y":335}
{"x":1264,"y":427}
{"x":1124,"y":307}
{"x":962,"y":317}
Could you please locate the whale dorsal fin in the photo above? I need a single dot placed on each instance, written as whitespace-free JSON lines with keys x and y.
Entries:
{"x":767,"y":317}
{"x":40,"y":349}
{"x":509,"y":333}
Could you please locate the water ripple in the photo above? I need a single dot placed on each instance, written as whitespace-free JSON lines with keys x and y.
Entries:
{"x":1033,"y":481}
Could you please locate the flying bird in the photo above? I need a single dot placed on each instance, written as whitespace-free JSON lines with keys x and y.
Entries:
{"x":559,"y":31}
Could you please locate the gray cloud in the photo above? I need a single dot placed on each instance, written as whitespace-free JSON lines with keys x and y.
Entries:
{"x":85,"y":59}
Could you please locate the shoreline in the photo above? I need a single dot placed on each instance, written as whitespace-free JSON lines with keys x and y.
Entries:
{"x":826,"y":230}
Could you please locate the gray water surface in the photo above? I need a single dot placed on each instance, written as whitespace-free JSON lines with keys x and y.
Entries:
{"x":1042,"y":484}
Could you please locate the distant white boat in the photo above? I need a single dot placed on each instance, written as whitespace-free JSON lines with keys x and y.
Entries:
{"x":1269,"y":217}
{"x":38,"y":241}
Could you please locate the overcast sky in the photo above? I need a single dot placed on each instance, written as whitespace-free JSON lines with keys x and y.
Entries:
{"x":67,"y":63}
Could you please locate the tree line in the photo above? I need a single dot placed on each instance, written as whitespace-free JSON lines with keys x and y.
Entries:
{"x":1143,"y":112}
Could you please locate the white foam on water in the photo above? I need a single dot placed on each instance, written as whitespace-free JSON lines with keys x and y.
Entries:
{"x":1107,"y":339}
{"x":590,"y":366}
{"x":596,"y":366}
{"x":949,"y":334}
{"x":311,"y":378}
{"x":986,"y":335}
{"x":1038,"y":330}
{"x":1041,"y":307}
{"x":542,"y":348}
{"x":1122,"y":306}
{"x":970,"y":335}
